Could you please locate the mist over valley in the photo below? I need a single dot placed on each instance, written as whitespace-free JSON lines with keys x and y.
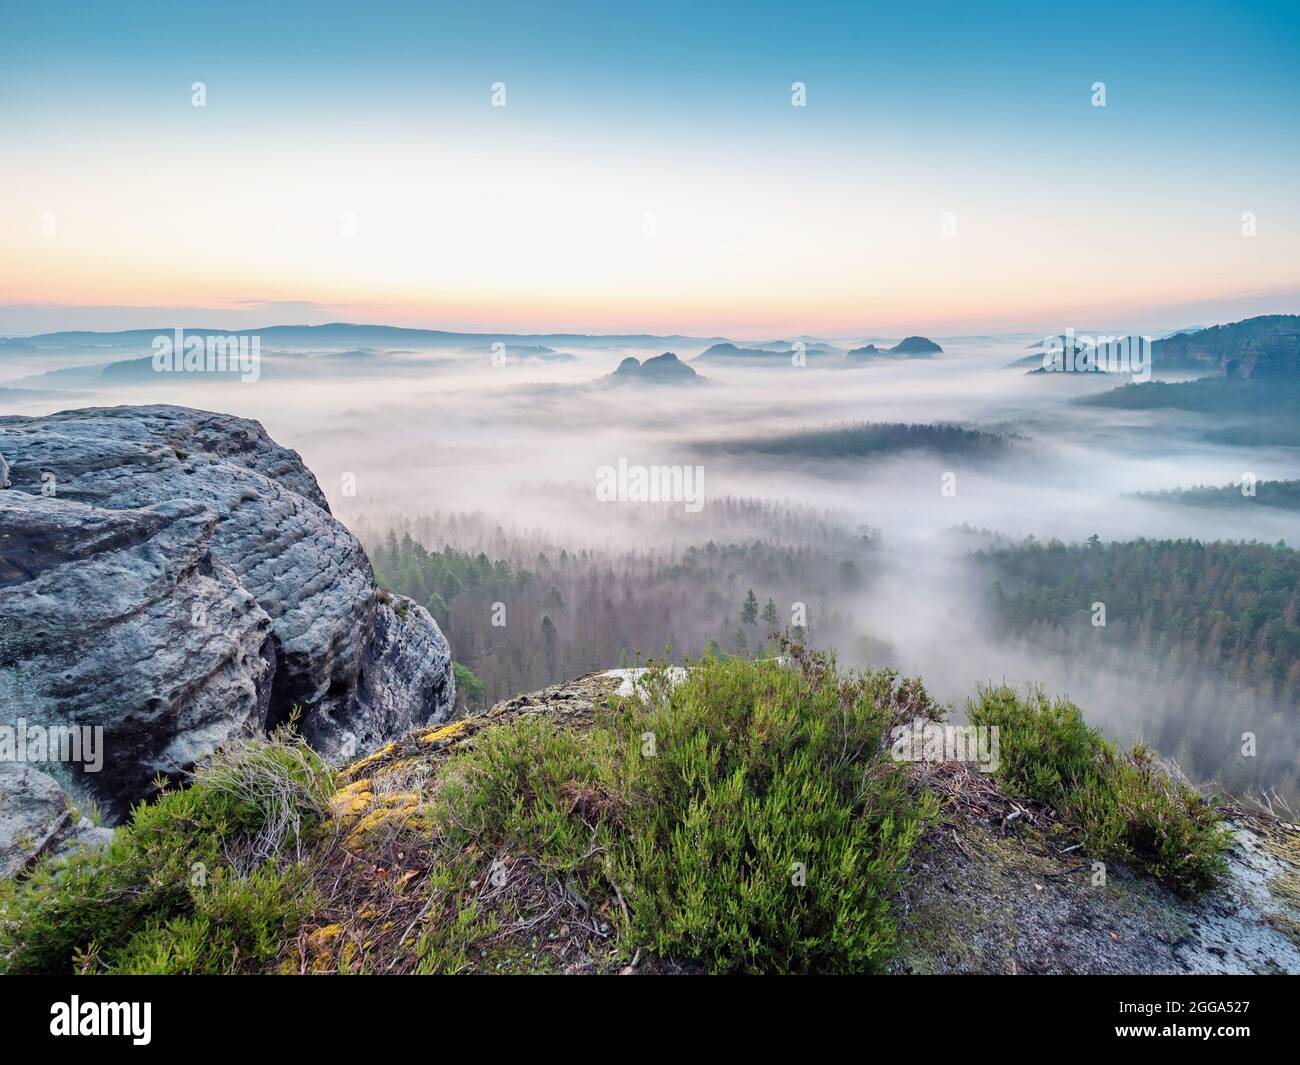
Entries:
{"x":884,"y":507}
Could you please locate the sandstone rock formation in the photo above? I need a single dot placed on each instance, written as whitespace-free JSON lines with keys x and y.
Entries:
{"x":36,"y":818}
{"x":173,"y":576}
{"x":921,"y":347}
{"x":665,"y":369}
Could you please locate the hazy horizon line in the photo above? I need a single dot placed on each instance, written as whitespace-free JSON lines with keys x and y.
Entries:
{"x":115,"y":318}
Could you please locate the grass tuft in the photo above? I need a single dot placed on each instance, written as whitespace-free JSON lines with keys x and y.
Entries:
{"x":203,"y":880}
{"x":1123,"y":804}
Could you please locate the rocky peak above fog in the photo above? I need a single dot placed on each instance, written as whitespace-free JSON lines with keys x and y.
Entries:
{"x":908,"y":346}
{"x":175,"y":576}
{"x":661,"y":369}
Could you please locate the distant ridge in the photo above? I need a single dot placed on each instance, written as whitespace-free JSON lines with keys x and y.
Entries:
{"x":727,"y":352}
{"x":361,"y":335}
{"x":1264,"y":347}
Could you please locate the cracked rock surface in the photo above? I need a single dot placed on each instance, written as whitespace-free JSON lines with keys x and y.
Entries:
{"x":173,"y":577}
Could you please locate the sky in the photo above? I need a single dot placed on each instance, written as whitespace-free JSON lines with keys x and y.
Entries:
{"x":948,"y":173}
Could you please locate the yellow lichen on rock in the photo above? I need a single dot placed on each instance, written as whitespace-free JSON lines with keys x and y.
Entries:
{"x":327,"y":949}
{"x":352,"y":770}
{"x":392,"y":808}
{"x":355,"y":798}
{"x":446,"y":732}
{"x":320,"y":940}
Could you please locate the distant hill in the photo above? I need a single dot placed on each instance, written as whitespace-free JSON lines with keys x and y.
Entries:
{"x":351,"y":335}
{"x":916,"y":346}
{"x":728,"y":353}
{"x":1063,"y":341}
{"x":1035,"y":360}
{"x":1251,"y":412}
{"x":855,"y":440}
{"x":908,"y":347}
{"x":1032,"y":362}
{"x":1284,"y":495}
{"x":274,"y":364}
{"x":1267,"y":346}
{"x":1262,"y":348}
{"x":665,"y":369}
{"x":1206,"y":395}
{"x":811,"y":344}
{"x":516,"y":353}
{"x":1252,"y":377}
{"x":16,"y":346}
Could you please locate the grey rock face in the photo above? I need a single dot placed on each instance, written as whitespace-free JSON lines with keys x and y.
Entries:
{"x":122,"y":623}
{"x":36,"y":818}
{"x":175,"y":576}
{"x":395,"y":677}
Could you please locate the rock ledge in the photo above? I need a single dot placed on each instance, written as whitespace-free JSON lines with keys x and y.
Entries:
{"x":172,"y":577}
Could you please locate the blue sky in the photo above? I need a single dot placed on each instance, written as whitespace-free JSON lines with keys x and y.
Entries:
{"x":913,"y":110}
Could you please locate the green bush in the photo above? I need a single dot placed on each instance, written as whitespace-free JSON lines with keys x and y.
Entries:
{"x":203,"y":880}
{"x":772,"y":829}
{"x":511,"y":814}
{"x":748,"y":818}
{"x":1123,"y":805}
